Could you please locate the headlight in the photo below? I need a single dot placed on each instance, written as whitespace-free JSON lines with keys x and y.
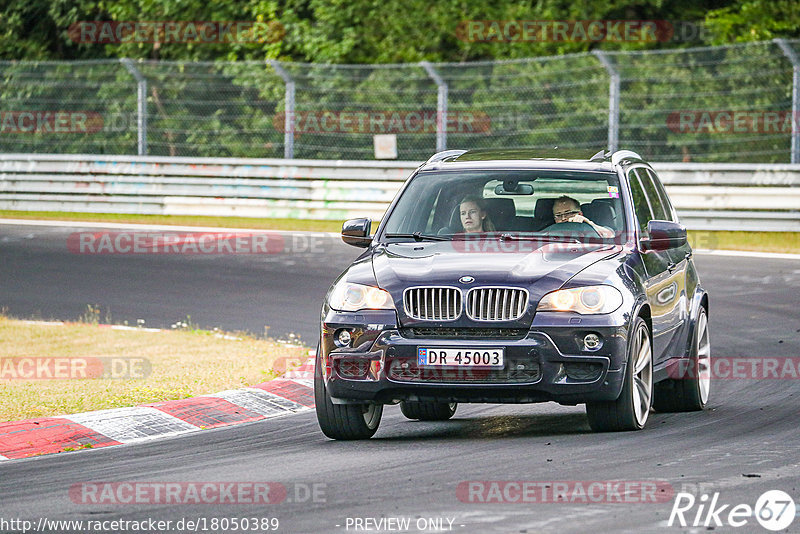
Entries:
{"x":353,"y":297}
{"x":584,"y":300}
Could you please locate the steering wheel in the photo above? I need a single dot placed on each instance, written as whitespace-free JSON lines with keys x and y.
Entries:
{"x":567,"y":228}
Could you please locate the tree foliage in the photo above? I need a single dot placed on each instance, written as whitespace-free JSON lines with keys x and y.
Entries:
{"x":374,"y":31}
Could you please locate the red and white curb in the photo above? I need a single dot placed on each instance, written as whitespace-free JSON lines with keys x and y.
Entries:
{"x":291,"y":393}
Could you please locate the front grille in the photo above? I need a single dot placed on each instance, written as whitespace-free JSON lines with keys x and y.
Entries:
{"x":496,"y":303}
{"x":432,"y":303}
{"x":515,"y":372}
{"x":463,"y":333}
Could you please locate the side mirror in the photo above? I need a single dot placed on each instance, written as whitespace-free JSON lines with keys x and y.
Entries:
{"x":663,"y":235}
{"x":356,"y":232}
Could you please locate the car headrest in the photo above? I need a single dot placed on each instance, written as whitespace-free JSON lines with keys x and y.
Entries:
{"x":608,"y":202}
{"x":544,"y":209}
{"x":501,"y":211}
{"x":600,"y":213}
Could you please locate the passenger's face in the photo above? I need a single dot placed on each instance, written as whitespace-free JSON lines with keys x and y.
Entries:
{"x":472,"y":217}
{"x":564,"y":211}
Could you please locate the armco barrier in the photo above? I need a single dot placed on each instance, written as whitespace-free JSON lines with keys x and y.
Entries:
{"x":707,"y":196}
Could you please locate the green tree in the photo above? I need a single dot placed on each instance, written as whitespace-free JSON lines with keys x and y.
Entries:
{"x":754,"y":20}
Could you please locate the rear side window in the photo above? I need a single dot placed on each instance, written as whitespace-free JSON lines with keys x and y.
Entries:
{"x":670,"y":212}
{"x":640,"y":204}
{"x":656,"y":204}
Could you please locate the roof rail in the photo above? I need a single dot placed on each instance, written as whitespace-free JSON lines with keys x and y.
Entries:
{"x":620,"y":155}
{"x":600,"y":156}
{"x":439,"y":156}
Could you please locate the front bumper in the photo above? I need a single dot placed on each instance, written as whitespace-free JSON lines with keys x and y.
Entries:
{"x":545,"y":363}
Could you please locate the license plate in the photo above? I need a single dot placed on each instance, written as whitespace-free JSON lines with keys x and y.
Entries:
{"x":449,"y":357}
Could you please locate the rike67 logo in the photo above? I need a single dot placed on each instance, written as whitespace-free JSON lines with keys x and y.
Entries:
{"x":774,"y":510}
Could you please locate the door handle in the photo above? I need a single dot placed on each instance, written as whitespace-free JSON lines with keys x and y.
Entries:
{"x":671,"y":267}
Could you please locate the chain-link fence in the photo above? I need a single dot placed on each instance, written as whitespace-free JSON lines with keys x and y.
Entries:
{"x":733,"y":103}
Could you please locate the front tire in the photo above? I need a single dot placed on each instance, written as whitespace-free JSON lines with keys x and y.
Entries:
{"x":428,"y":411}
{"x":689,"y":393}
{"x":343,"y":421}
{"x":631,"y":410}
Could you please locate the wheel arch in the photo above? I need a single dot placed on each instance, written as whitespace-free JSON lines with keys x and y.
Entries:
{"x":700,"y":300}
{"x":643,"y":311}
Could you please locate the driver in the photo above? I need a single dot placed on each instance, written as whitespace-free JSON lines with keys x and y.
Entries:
{"x":474,"y":217}
{"x":567,"y":209}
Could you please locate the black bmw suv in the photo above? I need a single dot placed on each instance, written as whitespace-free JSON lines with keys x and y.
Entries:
{"x":514,"y":277}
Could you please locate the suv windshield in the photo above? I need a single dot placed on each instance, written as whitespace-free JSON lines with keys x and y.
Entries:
{"x":578,"y":205}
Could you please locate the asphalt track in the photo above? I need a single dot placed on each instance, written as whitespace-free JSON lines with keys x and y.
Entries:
{"x":747,"y":442}
{"x":41,"y":278}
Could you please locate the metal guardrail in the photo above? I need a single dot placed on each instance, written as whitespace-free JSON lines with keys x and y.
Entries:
{"x":707,"y":196}
{"x":734,"y":196}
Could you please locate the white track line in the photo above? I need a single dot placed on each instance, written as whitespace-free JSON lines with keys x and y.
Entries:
{"x":45,"y":323}
{"x":749,"y":254}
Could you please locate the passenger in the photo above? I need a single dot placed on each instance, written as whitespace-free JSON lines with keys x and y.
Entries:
{"x":567,"y":209}
{"x":474,"y":218}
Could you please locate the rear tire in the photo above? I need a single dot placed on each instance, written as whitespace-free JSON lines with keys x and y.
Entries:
{"x":343,"y":421}
{"x":428,"y":411}
{"x":690,"y":393}
{"x":631,"y":410}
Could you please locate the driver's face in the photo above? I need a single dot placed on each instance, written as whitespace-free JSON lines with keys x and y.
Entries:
{"x":563,"y":211}
{"x":471,"y":217}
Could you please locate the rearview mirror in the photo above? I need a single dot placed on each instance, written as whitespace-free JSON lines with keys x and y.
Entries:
{"x":356,"y":232}
{"x":512,"y":187}
{"x":663,"y":235}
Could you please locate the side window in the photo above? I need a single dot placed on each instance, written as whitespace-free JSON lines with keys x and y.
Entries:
{"x":656,"y":204}
{"x":670,"y":211}
{"x":640,"y":205}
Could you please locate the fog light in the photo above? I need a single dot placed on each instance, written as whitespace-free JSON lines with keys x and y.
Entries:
{"x":343,"y":337}
{"x":353,"y":368}
{"x":592,"y":342}
{"x":583,"y":371}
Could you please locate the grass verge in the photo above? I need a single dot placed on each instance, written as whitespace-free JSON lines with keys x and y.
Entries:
{"x":183,"y":363}
{"x":181,"y":220}
{"x":784,"y":242}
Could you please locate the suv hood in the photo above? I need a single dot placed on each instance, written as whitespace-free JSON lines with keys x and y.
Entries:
{"x":539,"y":268}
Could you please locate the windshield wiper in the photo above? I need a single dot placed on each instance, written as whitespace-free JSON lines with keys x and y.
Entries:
{"x":417,"y":236}
{"x":539,"y":237}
